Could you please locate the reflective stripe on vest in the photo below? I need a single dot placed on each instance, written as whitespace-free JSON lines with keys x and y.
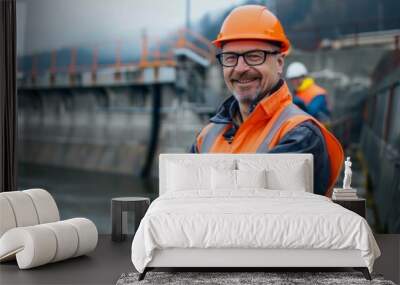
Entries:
{"x":289,"y":112}
{"x":211,"y":136}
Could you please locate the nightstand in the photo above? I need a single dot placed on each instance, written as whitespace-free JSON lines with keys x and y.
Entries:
{"x":121,"y":205}
{"x":356,"y":205}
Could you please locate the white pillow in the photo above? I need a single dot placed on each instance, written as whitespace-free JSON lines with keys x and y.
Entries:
{"x":223,"y":179}
{"x":281,"y":174}
{"x":251,"y":178}
{"x":181,"y":177}
{"x":189,"y":174}
{"x":296,"y":180}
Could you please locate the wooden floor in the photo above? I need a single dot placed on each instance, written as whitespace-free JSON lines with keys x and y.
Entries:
{"x":111,"y":259}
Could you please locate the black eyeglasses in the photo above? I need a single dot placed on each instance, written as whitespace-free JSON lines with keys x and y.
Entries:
{"x":251,"y":57}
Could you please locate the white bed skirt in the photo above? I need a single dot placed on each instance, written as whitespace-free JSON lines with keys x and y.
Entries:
{"x":193,"y":257}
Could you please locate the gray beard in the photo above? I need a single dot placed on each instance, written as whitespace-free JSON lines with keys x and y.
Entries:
{"x":247,"y":100}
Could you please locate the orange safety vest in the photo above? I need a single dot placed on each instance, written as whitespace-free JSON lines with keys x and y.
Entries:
{"x":308,"y":90}
{"x":272,"y":118}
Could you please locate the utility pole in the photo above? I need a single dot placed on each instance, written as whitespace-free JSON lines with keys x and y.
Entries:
{"x":188,"y":14}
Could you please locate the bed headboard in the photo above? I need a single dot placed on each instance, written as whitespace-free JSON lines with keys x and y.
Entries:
{"x":272,"y":159}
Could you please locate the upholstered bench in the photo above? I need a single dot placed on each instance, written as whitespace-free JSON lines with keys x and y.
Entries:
{"x":31,"y":231}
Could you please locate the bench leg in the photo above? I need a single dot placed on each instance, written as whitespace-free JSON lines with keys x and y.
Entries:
{"x":143,"y":274}
{"x":364,"y":271}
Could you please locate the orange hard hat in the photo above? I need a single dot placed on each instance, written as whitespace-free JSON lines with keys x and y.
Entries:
{"x":252,"y":22}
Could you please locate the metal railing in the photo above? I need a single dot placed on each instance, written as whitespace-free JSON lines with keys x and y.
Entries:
{"x":87,"y":58}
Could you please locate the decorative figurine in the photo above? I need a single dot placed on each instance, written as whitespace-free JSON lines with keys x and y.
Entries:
{"x":347,"y":174}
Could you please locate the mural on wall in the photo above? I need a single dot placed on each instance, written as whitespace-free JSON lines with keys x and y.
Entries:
{"x":102,"y":108}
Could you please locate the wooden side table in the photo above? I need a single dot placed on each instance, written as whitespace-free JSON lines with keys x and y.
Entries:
{"x":356,"y":205}
{"x":138,"y":205}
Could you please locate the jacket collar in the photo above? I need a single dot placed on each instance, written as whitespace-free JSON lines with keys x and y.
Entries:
{"x":263,"y":107}
{"x":279,"y":99}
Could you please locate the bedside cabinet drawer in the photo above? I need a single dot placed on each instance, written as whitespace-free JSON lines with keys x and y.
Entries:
{"x":357,"y":206}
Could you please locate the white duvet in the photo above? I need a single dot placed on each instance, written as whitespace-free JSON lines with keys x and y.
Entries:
{"x":253,"y":218}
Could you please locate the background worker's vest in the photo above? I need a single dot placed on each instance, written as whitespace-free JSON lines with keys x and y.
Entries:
{"x":310,"y":91}
{"x":262,"y":138}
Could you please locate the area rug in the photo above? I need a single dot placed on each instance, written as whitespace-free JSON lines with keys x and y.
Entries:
{"x":243,"y":278}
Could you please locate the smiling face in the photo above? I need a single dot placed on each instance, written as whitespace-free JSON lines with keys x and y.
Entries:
{"x":247,"y":82}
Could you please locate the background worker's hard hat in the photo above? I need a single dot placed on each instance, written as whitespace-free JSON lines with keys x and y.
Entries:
{"x":252,"y":22}
{"x":296,"y":69}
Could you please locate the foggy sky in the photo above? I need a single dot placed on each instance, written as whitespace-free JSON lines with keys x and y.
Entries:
{"x":43,"y":25}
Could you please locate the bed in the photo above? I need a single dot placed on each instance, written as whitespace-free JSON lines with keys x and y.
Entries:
{"x":246,"y":211}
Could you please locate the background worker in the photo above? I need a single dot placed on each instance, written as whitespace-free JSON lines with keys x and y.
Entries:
{"x":307,"y":93}
{"x":260,"y":116}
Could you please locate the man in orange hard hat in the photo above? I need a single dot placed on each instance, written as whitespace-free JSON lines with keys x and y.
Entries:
{"x":260,"y":116}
